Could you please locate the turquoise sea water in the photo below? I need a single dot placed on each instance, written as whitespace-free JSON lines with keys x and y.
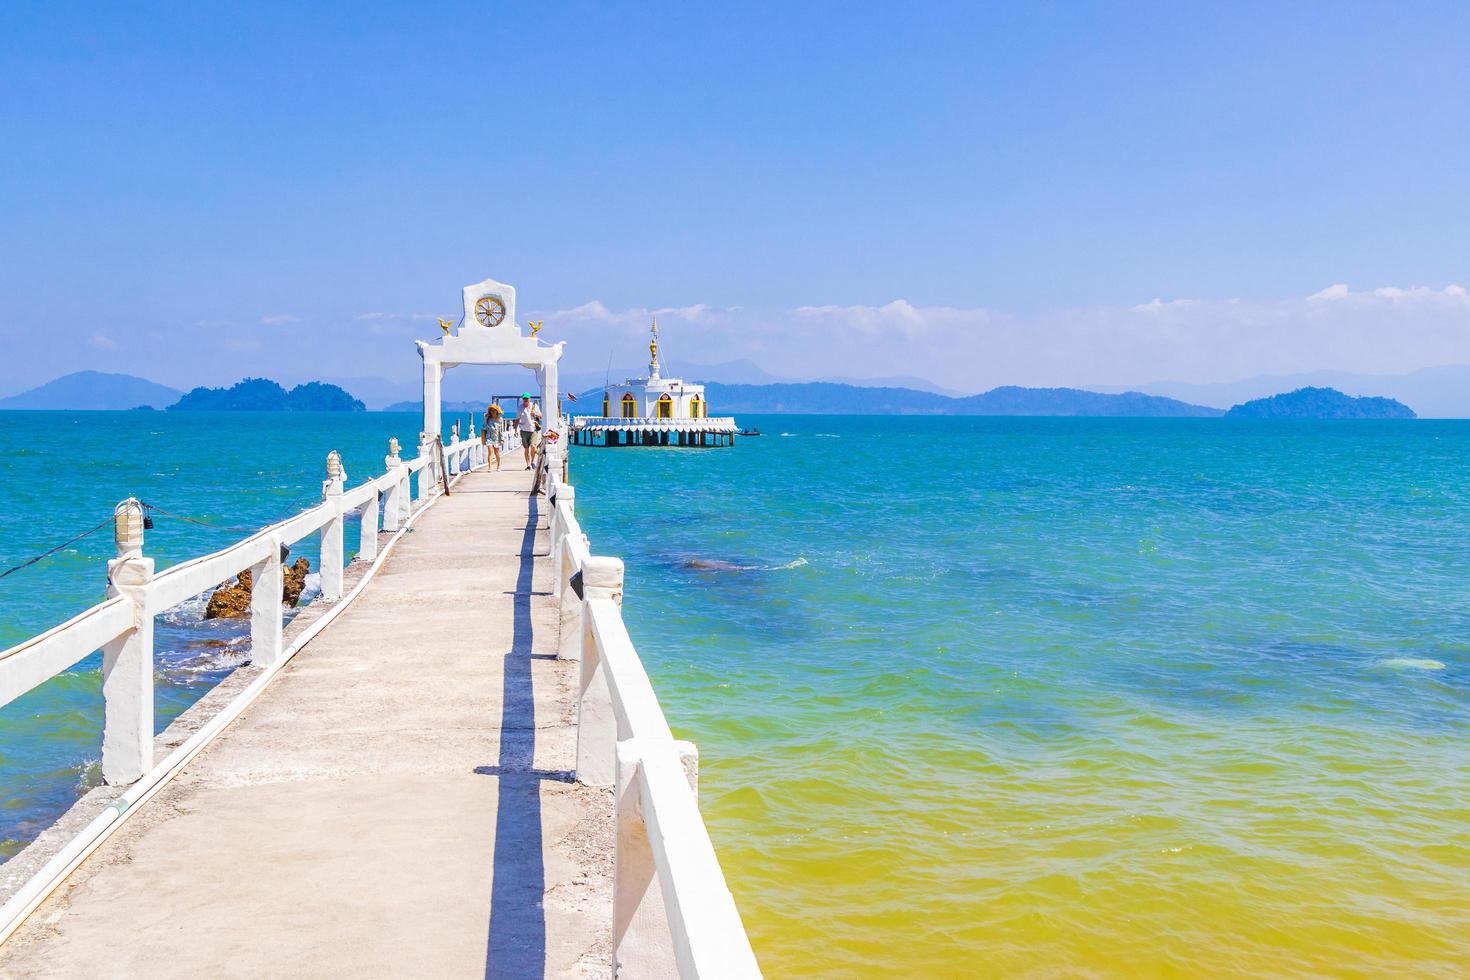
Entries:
{"x":1058,"y":697}
{"x":973,"y":696}
{"x":63,"y":472}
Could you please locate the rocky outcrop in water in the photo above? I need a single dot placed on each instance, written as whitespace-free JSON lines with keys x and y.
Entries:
{"x":233,"y":601}
{"x":295,"y":581}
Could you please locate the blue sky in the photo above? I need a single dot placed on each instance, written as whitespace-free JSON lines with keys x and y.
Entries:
{"x":976,"y":194}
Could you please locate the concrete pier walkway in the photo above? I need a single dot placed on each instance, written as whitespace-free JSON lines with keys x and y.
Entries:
{"x":397,"y":803}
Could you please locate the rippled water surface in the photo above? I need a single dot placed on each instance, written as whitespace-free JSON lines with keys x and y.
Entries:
{"x":1067,"y":697}
{"x":974,"y":697}
{"x":62,"y":472}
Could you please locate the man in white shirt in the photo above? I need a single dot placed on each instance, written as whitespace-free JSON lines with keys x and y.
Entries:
{"x":528,"y":420}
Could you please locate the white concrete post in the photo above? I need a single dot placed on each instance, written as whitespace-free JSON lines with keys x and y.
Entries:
{"x":267,"y":580}
{"x":393,"y":500}
{"x":426,"y":473}
{"x":571,"y":608}
{"x":597,"y":726}
{"x":127,"y":662}
{"x":643,"y":945}
{"x":367,"y":545}
{"x":433,"y":375}
{"x":331,"y":533}
{"x":550,"y":397}
{"x":564,"y":495}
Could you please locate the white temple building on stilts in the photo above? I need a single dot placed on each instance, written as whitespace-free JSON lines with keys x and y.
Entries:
{"x":654,"y":411}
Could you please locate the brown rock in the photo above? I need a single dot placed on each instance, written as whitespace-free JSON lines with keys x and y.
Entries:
{"x":233,"y":601}
{"x":230,"y":601}
{"x":295,"y":581}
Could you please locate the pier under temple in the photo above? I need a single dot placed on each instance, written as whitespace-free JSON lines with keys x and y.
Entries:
{"x":398,"y":802}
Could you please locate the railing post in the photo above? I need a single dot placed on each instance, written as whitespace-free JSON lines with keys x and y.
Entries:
{"x":266,"y":611}
{"x":569,"y":646}
{"x":393,"y":499}
{"x":564,"y":495}
{"x":597,"y":727}
{"x":127,"y":662}
{"x":643,"y":945}
{"x":367,"y":545}
{"x":427,"y":479}
{"x":331,"y":534}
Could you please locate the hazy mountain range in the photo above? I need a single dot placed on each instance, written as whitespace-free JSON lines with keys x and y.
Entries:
{"x":826,"y":398}
{"x":476,"y":384}
{"x":94,"y":390}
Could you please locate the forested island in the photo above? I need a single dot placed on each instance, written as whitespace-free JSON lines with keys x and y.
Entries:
{"x":264,"y":395}
{"x":1320,"y":403}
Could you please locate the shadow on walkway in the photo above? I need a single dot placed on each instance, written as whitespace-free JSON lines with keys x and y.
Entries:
{"x":517,"y":920}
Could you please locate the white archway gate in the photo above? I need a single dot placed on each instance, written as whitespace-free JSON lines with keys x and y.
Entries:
{"x":488,"y":334}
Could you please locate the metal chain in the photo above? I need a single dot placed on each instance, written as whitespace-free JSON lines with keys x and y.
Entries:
{"x":60,"y":547}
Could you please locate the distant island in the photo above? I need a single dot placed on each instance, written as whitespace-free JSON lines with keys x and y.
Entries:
{"x":828,"y":398}
{"x":100,"y":391}
{"x":445,"y":407}
{"x":264,"y":395}
{"x":94,"y":391}
{"x":1320,"y":403}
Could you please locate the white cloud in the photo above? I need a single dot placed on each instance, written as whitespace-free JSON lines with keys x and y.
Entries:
{"x":379,"y":315}
{"x":279,"y":319}
{"x":591,"y":310}
{"x":1157,"y":305}
{"x":1385,"y":329}
{"x":1451,"y":295}
{"x":639,"y":317}
{"x":101,"y":341}
{"x":900,"y":315}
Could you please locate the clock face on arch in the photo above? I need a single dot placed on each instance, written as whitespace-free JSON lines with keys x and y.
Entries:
{"x":489,"y":310}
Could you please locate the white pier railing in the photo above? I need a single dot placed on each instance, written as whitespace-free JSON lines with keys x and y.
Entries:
{"x":121,"y":626}
{"x":673,"y":915}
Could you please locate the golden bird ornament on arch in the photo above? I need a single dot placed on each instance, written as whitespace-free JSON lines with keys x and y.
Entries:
{"x":444,"y":324}
{"x":535,"y":326}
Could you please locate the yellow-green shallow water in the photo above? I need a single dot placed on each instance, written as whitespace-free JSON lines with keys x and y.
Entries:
{"x":998,"y":697}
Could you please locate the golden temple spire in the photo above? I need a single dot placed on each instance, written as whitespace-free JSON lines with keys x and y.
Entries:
{"x":653,"y":352}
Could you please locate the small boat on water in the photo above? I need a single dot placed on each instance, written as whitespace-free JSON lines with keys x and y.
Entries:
{"x":750,"y":432}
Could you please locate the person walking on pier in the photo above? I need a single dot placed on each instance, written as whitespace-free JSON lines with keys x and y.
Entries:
{"x":490,"y":431}
{"x":528,"y":420}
